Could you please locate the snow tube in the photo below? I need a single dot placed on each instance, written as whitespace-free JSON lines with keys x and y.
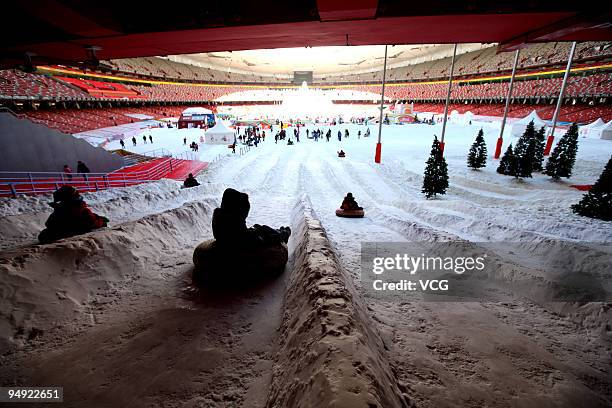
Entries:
{"x":341,"y":155}
{"x":216,"y":265}
{"x":350,"y":213}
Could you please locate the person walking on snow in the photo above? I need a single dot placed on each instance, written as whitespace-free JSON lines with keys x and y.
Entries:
{"x":134,"y":140}
{"x":151,"y":138}
{"x":144,"y":137}
{"x":83,"y":169}
{"x":339,"y":136}
{"x":122,"y":144}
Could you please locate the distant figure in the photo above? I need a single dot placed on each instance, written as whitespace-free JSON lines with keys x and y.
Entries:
{"x":144,"y":138}
{"x":82,"y":168}
{"x":134,"y":140}
{"x":346,"y":133}
{"x":190,"y":181}
{"x":359,"y":135}
{"x":67,"y":172}
{"x":185,"y":141}
{"x":341,"y":153}
{"x":122,"y":143}
{"x":151,"y":138}
{"x":339,"y":136}
{"x":349,"y":203}
{"x":70,"y":216}
{"x":289,"y":141}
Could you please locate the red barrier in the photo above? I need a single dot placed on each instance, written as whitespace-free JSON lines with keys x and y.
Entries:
{"x":442,"y":148}
{"x":549,"y":143}
{"x":582,"y":187}
{"x":498,"y":147}
{"x":378,"y":152}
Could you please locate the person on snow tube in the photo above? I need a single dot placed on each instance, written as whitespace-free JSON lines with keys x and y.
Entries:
{"x":190,"y":181}
{"x":243,"y":253}
{"x":70,"y":216}
{"x":341,"y":153}
{"x":349,"y":207}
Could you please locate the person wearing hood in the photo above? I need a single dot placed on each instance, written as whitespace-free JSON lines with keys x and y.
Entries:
{"x":70,"y":216}
{"x":190,"y":181}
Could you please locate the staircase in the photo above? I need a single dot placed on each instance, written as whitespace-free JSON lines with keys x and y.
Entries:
{"x":15,"y":183}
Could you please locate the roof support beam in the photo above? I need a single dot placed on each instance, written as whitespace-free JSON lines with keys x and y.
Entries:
{"x":571,"y":27}
{"x":336,"y":10}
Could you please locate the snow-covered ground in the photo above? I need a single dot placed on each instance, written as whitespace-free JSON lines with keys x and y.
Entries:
{"x":172,"y":140}
{"x":155,"y":340}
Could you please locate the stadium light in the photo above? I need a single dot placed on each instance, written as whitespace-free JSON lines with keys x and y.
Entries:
{"x":500,"y":140}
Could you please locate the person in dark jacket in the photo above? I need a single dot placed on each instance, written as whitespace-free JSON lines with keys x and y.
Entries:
{"x":70,"y":216}
{"x":122,"y":143}
{"x":134,"y":140}
{"x":82,"y":168}
{"x":67,"y":172}
{"x":190,"y":181}
{"x":349,"y":203}
{"x":229,"y":224}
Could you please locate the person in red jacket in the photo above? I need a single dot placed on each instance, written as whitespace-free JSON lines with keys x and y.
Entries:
{"x":70,"y":216}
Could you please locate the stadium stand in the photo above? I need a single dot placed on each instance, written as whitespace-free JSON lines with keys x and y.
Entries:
{"x":15,"y":84}
{"x":78,"y":101}
{"x":75,"y":120}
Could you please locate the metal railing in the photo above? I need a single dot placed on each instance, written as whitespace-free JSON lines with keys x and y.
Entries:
{"x":15,"y":183}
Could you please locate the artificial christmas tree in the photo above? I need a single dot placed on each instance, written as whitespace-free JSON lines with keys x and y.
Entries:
{"x":563,"y":157}
{"x":507,"y":164}
{"x":538,"y":154}
{"x":435,"y":179}
{"x":524,"y":153}
{"x":597,"y":203}
{"x":477,"y":157}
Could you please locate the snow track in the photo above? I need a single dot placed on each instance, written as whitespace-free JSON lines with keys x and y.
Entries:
{"x":315,"y":332}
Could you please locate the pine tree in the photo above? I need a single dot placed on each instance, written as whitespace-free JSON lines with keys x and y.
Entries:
{"x":597,"y":203}
{"x":538,"y":155}
{"x":524,"y":152}
{"x":507,"y":164}
{"x":435,"y":179}
{"x":563,"y":157}
{"x":477,"y":157}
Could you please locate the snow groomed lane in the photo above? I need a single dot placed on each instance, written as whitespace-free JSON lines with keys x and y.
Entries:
{"x":438,"y":354}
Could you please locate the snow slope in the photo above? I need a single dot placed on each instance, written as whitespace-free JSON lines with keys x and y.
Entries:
{"x":131,"y":297}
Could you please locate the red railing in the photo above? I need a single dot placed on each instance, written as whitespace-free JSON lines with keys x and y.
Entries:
{"x":15,"y":183}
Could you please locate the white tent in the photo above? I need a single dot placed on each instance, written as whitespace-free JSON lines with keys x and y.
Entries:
{"x":592,"y":129}
{"x":518,"y":127}
{"x":196,"y":111}
{"x":219,"y":134}
{"x":606,"y":131}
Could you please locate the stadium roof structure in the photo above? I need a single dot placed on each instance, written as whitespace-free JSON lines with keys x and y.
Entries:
{"x":323,"y":60}
{"x":70,"y":31}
